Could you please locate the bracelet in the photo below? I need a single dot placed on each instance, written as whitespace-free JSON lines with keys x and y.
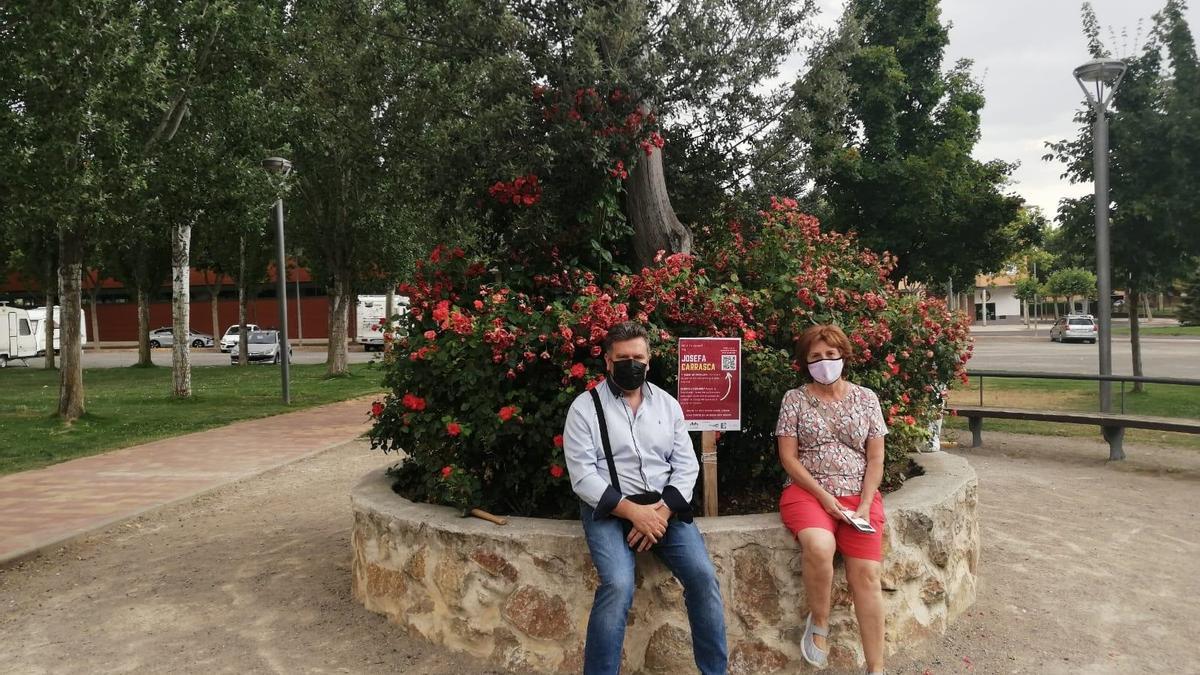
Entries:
{"x":707,"y":457}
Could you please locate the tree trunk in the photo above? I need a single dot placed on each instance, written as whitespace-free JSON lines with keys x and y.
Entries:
{"x":181,"y":299}
{"x":655,"y":226}
{"x":49,"y":362}
{"x":339,"y":319}
{"x":389,"y":309}
{"x":143,"y":312}
{"x":92,"y":293}
{"x":1135,"y":343}
{"x":1146,"y":302}
{"x":214,"y":295}
{"x":70,"y":282}
{"x":243,"y":349}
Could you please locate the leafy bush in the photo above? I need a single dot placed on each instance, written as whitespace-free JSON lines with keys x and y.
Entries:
{"x":492,"y":360}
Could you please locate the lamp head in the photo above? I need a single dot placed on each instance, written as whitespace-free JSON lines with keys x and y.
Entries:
{"x":1105,"y":71}
{"x":1099,"y":79}
{"x":277,"y":165}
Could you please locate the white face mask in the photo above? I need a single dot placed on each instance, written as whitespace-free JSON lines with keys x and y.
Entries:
{"x":826,"y":371}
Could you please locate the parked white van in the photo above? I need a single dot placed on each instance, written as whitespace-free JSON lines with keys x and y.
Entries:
{"x":38,"y":314}
{"x":16,"y":335}
{"x":370,"y":312}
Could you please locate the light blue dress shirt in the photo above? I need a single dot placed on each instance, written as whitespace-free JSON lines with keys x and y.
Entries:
{"x":651,"y":449}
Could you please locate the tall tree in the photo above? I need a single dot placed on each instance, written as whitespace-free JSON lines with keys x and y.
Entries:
{"x":1189,"y":309}
{"x":1153,"y":138}
{"x":205,"y":130}
{"x":896,"y":163}
{"x":73,"y":74}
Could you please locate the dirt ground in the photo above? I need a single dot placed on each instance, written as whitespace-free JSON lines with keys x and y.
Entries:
{"x":1087,"y":567}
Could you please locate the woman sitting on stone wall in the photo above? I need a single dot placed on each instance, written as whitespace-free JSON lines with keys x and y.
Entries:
{"x":830,"y":436}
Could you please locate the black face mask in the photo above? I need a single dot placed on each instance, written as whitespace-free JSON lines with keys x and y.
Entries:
{"x":629,"y":374}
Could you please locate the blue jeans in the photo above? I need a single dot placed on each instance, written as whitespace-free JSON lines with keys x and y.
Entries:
{"x":682,"y":551}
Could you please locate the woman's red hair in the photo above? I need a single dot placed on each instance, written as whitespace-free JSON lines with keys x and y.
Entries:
{"x":827,"y":333}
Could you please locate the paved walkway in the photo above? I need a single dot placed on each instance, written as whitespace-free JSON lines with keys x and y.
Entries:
{"x":45,"y":507}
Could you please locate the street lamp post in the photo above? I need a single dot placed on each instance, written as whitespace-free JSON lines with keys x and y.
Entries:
{"x":281,"y":167}
{"x":1099,"y":79}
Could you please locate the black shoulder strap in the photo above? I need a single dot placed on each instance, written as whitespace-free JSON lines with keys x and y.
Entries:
{"x":608,"y":455}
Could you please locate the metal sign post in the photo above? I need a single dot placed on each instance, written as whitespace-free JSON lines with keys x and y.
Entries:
{"x":710,"y":393}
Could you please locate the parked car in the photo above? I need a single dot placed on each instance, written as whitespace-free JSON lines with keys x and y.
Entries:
{"x":262,"y":346}
{"x":229,"y":341}
{"x":165,"y":337}
{"x":1074,"y":328}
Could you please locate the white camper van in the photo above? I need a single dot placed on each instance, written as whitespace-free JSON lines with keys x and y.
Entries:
{"x":16,"y":335}
{"x":38,"y":314}
{"x":370,"y":312}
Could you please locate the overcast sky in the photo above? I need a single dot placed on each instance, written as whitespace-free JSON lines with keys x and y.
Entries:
{"x":1024,"y":52}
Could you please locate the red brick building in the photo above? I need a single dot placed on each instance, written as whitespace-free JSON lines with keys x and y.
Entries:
{"x":116,"y":306}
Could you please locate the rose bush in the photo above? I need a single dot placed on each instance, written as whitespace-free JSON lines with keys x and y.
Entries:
{"x":492,"y":360}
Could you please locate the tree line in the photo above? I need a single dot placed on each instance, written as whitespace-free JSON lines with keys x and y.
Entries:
{"x":132,"y":133}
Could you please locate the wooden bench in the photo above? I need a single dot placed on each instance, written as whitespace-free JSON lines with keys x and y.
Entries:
{"x":1112,"y":425}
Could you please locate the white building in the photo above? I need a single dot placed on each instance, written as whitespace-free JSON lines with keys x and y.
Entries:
{"x":997,"y":294}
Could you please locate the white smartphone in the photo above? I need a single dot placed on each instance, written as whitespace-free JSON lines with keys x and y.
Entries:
{"x":858,"y":523}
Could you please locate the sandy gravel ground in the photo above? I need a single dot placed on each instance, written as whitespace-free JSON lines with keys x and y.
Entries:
{"x":1087,"y":567}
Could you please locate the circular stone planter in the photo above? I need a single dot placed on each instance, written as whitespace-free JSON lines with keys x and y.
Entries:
{"x":519,"y":595}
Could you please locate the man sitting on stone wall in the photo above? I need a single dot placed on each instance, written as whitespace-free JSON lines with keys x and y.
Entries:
{"x":636,"y":487}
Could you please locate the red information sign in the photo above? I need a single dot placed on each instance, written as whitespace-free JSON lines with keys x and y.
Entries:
{"x":710,"y":383}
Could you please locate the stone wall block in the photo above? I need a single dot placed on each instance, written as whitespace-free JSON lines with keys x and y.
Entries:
{"x":448,"y":577}
{"x":538,"y":614}
{"x":669,"y":647}
{"x":384,"y":582}
{"x":670,"y":592}
{"x":415,"y":566}
{"x":494,"y":563}
{"x":754,"y":657}
{"x":755,"y":591}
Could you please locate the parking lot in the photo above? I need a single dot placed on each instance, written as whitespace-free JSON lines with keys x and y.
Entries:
{"x":124,"y":356}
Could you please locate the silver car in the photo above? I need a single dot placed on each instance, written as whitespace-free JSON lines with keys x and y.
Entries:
{"x":165,"y":337}
{"x":262,"y":346}
{"x":1074,"y":328}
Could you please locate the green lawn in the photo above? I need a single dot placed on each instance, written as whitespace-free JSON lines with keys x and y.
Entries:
{"x":128,"y":406}
{"x":1160,"y":400}
{"x":1161,"y":330}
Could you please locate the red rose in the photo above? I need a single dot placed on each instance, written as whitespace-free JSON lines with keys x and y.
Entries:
{"x":441,"y":313}
{"x":430,"y":335}
{"x":558,"y":441}
{"x":478,"y":305}
{"x":453,"y":429}
{"x":578,"y":371}
{"x":376,"y":409}
{"x":556,"y":471}
{"x":413,"y":402}
{"x":446,"y":471}
{"x":506,"y":413}
{"x":908,"y":419}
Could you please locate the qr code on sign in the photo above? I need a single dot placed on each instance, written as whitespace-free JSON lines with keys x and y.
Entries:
{"x":729,"y":362}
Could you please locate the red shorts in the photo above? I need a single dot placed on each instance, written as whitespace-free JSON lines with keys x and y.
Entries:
{"x":800,"y":510}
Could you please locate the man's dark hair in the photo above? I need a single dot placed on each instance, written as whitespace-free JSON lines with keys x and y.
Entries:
{"x":621,"y":332}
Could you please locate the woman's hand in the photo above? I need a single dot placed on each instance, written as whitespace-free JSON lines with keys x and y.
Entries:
{"x":831,"y":505}
{"x":864,"y":510}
